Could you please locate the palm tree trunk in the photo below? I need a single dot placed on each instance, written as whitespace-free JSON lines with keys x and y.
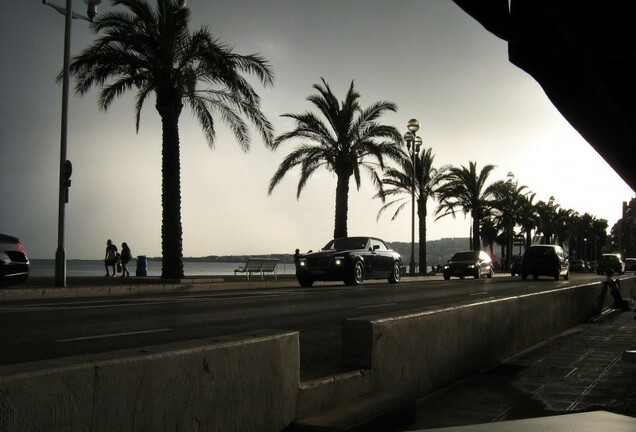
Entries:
{"x":342,"y":205}
{"x":421,"y":216}
{"x":476,"y":239}
{"x":171,"y":230}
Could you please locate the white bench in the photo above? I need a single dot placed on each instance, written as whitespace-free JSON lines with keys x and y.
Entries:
{"x":258,"y":265}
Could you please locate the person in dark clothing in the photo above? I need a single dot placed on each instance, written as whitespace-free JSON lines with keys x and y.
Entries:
{"x":126,"y":256}
{"x":614,"y":286}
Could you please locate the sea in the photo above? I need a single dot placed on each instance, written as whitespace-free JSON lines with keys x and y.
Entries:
{"x":75,"y":268}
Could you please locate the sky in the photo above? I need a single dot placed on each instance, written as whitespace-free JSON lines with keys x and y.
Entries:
{"x":430,"y":58}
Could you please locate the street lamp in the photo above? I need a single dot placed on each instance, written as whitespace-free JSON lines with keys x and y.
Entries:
{"x":511,"y":185}
{"x":413,"y":143}
{"x":65,"y":165}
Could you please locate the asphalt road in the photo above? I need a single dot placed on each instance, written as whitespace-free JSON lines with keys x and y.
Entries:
{"x":39,"y":330}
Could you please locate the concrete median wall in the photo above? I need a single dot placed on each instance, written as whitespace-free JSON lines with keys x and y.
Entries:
{"x":242,"y":383}
{"x":418,"y":353}
{"x":251,"y":382}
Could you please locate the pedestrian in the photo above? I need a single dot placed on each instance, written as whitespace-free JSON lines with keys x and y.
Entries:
{"x":110,"y":258}
{"x":614,"y":286}
{"x":296,"y":259}
{"x":126,"y":256}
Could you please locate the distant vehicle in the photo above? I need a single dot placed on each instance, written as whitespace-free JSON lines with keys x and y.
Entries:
{"x":591,"y":266}
{"x":351,"y":260}
{"x":612,"y":261}
{"x":14,"y":263}
{"x":469,"y":263}
{"x":545,"y":260}
{"x":578,"y":266}
{"x":630,"y":264}
{"x":515,"y":267}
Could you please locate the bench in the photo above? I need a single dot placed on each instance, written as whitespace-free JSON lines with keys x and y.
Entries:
{"x":258,"y":265}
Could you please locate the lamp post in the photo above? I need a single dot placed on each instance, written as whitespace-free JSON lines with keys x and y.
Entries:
{"x":413,"y":143}
{"x":512,"y":188}
{"x":65,"y":165}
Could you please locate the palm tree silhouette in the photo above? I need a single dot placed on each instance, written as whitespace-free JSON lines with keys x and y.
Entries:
{"x":154,"y":52}
{"x":465,"y":189}
{"x":400,"y":184}
{"x":342,"y":143}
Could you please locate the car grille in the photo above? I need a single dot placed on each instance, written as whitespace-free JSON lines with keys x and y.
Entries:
{"x":318,"y":262}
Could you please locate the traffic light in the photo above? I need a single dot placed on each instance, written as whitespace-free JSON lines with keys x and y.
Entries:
{"x":66,"y":178}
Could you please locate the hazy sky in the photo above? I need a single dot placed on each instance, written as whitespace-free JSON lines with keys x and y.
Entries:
{"x":430,"y":58}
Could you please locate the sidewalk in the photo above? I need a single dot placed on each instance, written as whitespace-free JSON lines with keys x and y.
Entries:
{"x":582,"y":370}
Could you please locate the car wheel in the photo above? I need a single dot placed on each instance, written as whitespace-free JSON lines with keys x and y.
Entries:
{"x":357,"y":274}
{"x":567,"y":276}
{"x":447,"y":277}
{"x":477,"y":273}
{"x":305,"y":282}
{"x":556,"y":276}
{"x":490,"y":273}
{"x":395,"y":275}
{"x":524,"y":276}
{"x":535,"y":276}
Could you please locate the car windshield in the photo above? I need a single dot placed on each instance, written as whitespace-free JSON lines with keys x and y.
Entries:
{"x":464,"y":256}
{"x":348,"y":243}
{"x":539,"y":251}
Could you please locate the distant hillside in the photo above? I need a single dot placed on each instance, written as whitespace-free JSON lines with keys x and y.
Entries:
{"x":437,"y":252}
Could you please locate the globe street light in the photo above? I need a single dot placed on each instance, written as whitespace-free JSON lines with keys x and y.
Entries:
{"x":65,"y":165}
{"x":413,"y":143}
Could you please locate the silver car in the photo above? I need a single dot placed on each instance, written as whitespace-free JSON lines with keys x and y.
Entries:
{"x":14,"y":263}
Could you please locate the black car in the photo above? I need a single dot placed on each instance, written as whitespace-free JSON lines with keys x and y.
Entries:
{"x":351,"y":260}
{"x":545,"y":260}
{"x":610,"y":261}
{"x":469,"y":263}
{"x":14,"y":263}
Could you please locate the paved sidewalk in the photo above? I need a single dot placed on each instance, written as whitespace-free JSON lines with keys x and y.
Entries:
{"x":581,"y":370}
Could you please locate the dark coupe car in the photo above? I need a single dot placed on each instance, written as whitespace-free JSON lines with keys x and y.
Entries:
{"x":610,"y":261}
{"x":351,"y":260}
{"x":14,"y":264}
{"x":545,"y":260}
{"x":469,"y":263}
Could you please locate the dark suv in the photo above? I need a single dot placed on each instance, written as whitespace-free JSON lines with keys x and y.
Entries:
{"x":545,"y":260}
{"x":610,"y":261}
{"x":14,"y":264}
{"x":469,"y":263}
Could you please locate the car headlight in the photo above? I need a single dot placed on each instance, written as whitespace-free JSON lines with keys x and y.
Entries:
{"x":471,"y":266}
{"x":338,"y":260}
{"x":446,"y":266}
{"x":302,"y":262}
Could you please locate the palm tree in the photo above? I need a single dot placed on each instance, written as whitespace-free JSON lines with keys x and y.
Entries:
{"x":505,"y":204}
{"x":400,"y":182}
{"x":465,"y":189}
{"x":547,"y":215}
{"x":154,"y":52}
{"x":342,"y":144}
{"x":528,"y":219}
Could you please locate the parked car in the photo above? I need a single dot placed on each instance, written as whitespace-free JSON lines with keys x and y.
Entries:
{"x":469,"y":263}
{"x":545,"y":260}
{"x":630,"y":264}
{"x":14,"y":263}
{"x":610,"y":261}
{"x":577,"y":265}
{"x":515,"y":267}
{"x":351,"y":260}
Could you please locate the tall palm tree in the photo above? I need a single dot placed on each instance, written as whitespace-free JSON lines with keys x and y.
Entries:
{"x":465,"y":189}
{"x":400,"y":184}
{"x":342,"y":143}
{"x":528,"y":218}
{"x":505,"y":205}
{"x":547,"y":215}
{"x":154,"y":52}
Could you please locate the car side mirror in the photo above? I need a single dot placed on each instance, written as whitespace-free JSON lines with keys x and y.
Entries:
{"x":376,"y":247}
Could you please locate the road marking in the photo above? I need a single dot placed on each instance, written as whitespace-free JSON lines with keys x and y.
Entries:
{"x":113,"y":335}
{"x":376,"y":305}
{"x":479,"y":293}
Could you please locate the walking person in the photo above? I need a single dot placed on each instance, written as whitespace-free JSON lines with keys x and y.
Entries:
{"x":126,"y":256}
{"x":110,"y":258}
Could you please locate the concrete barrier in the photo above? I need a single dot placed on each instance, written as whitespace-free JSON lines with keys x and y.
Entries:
{"x":238,"y":383}
{"x":418,"y":353}
{"x":251,"y":382}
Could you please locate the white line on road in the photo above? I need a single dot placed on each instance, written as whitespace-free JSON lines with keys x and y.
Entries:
{"x":113,"y":335}
{"x":479,"y":293}
{"x":376,"y":305}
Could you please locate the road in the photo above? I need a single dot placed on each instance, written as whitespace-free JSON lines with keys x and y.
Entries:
{"x":39,"y":330}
